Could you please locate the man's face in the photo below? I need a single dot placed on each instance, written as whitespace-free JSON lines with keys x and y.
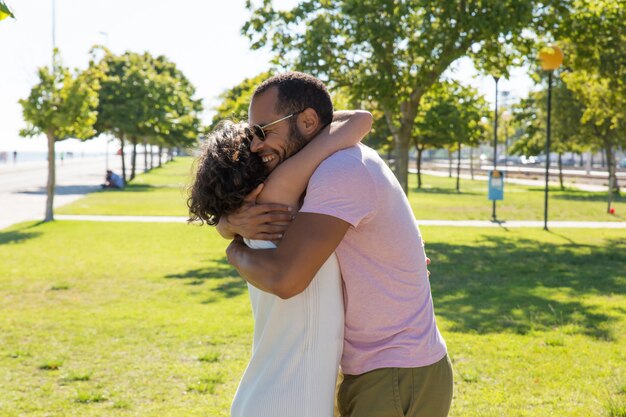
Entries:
{"x":280,"y":141}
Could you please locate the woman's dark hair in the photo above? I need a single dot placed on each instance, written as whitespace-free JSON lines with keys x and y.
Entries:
{"x":226,"y":172}
{"x":298,"y":91}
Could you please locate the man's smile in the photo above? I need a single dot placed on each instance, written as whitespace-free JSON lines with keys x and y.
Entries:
{"x":268,"y":158}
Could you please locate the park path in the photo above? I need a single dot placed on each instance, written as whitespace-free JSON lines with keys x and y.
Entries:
{"x":23,"y":185}
{"x":453,"y":223}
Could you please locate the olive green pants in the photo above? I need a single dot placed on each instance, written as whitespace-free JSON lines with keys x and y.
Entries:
{"x":398,"y":392}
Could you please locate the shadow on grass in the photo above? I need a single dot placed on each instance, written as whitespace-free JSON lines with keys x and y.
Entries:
{"x":19,"y":235}
{"x":226,"y":281}
{"x":575,"y":195}
{"x":64,"y":190}
{"x":502,"y":284}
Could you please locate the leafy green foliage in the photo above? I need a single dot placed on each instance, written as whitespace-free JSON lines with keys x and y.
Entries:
{"x":567,"y":134}
{"x":62,"y":105}
{"x":389,"y":51}
{"x":235,"y":101}
{"x":147,"y":99}
{"x":449,"y":116}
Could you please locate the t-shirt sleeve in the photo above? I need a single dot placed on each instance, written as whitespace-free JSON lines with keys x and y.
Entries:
{"x":341,"y":187}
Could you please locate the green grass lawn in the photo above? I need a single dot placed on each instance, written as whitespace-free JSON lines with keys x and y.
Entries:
{"x":438,"y":199}
{"x":162,"y":192}
{"x":123,"y":319}
{"x":126,"y":319}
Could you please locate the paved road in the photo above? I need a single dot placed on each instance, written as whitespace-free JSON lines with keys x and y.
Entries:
{"x":23,"y":186}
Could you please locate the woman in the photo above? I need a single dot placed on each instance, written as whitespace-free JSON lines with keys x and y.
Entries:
{"x":297,"y":342}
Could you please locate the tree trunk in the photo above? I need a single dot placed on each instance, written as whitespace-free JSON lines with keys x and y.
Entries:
{"x":160,"y":154}
{"x":151,"y":157}
{"x":123,"y":159}
{"x":51,"y":178}
{"x":133,"y":159}
{"x":449,"y":163}
{"x":401,"y":167}
{"x":611,"y":171}
{"x":560,"y":160}
{"x":419,"y":167}
{"x":472,"y":163}
{"x":145,"y":156}
{"x":458,"y":169}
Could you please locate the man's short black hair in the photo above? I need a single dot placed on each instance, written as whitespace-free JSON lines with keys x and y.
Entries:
{"x":298,"y":91}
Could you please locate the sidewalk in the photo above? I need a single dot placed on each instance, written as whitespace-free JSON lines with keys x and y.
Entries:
{"x":23,"y":186}
{"x":452,"y":223}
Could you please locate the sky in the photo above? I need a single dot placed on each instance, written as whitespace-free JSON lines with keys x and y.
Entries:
{"x":201,"y":36}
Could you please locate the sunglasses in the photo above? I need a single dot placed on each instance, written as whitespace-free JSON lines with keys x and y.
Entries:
{"x":259,"y":131}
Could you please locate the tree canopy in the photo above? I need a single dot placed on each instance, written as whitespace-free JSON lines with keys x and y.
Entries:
{"x":390,"y":51}
{"x":147,"y":99}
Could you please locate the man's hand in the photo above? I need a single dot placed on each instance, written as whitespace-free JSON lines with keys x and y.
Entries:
{"x":256,"y":221}
{"x":427,"y":258}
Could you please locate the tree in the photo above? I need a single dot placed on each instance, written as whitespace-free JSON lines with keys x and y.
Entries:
{"x":236,"y":100}
{"x":449,"y":116}
{"x":594,"y":39}
{"x":145,"y":99}
{"x":602,"y":118}
{"x":61,"y":106}
{"x":5,"y":11}
{"x":389,"y":51}
{"x":567,"y":133}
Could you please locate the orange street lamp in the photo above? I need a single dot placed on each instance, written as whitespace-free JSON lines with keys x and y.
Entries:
{"x":551,"y":58}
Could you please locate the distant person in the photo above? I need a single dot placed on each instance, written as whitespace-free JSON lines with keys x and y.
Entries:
{"x":113,"y":180}
{"x":3,"y":157}
{"x":14,"y":157}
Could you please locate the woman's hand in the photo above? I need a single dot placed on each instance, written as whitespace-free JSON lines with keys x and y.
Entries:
{"x":256,"y":221}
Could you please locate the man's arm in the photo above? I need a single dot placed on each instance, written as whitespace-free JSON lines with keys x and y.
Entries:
{"x":289,"y":269}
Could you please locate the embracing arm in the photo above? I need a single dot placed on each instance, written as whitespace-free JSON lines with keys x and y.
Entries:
{"x":257,"y":218}
{"x":289,"y":180}
{"x":289,"y":269}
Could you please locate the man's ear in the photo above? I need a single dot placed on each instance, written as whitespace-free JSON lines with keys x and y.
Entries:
{"x":308,"y":122}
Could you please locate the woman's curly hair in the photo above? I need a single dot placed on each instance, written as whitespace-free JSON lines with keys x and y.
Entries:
{"x":226,"y":172}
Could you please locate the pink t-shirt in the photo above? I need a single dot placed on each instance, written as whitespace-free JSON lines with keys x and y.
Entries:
{"x":390,"y":321}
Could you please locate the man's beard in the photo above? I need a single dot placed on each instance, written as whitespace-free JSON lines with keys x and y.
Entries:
{"x":296,"y":140}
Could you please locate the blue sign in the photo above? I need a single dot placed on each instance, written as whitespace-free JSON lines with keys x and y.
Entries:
{"x":496,"y":185}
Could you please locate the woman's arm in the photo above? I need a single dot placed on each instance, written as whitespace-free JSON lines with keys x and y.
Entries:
{"x":288,"y":180}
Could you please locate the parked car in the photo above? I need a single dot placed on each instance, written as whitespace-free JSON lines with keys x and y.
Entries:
{"x":528,"y":160}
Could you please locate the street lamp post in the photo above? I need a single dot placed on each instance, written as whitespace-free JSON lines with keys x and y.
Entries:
{"x":54,"y":42}
{"x":106,"y":151}
{"x":551,"y":58}
{"x":495,"y":143}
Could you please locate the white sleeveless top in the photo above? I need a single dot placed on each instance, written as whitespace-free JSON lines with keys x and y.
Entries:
{"x":296,"y":351}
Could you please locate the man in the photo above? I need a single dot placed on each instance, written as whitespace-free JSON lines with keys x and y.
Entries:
{"x":394,"y":360}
